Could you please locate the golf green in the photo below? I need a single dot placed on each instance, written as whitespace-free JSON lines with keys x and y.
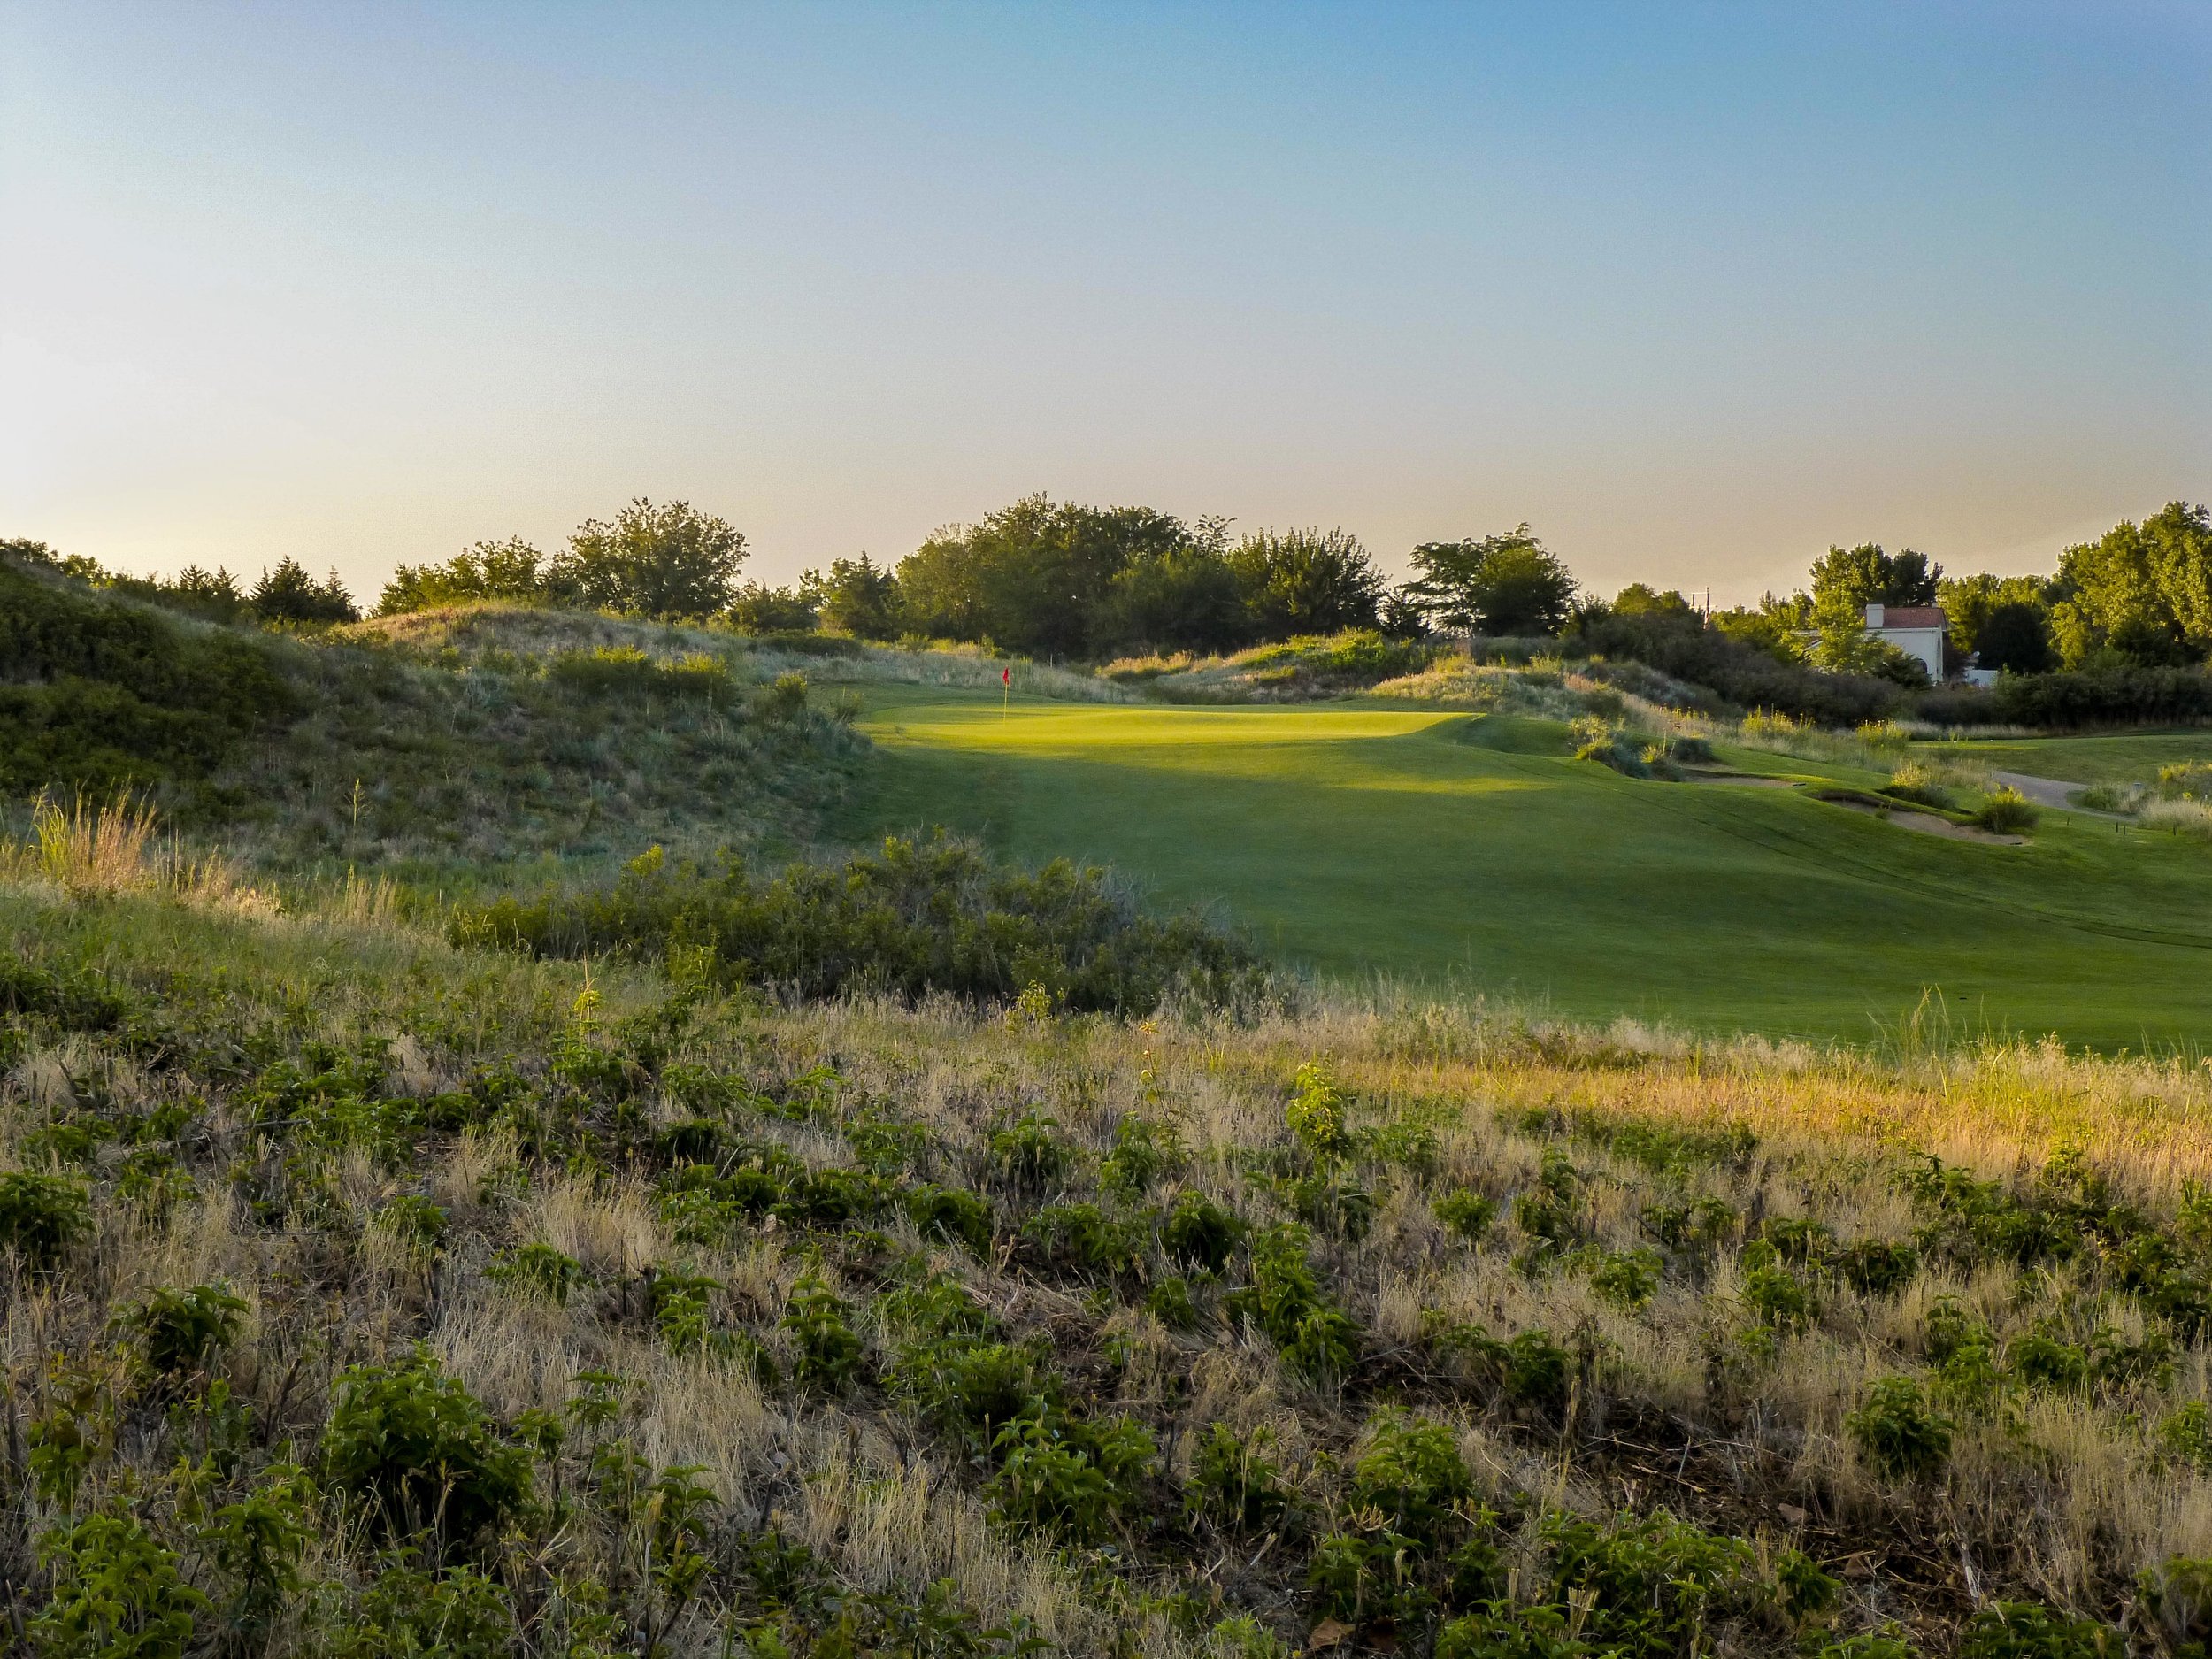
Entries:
{"x":1466,"y":853}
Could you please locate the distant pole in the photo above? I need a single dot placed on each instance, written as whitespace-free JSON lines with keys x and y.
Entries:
{"x":1006,"y":691}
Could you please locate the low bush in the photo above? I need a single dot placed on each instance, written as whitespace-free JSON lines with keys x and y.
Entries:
{"x":1898,"y":1430}
{"x":1233,"y":1483}
{"x":1467,"y":1214}
{"x":422,"y":1451}
{"x":2006,"y":812}
{"x":180,"y":1331}
{"x":537,"y":1270}
{"x":820,"y":1326}
{"x":41,"y":1215}
{"x":118,"y":1594}
{"x":2027,"y":1630}
{"x":916,"y":918}
{"x":1201,"y":1233}
{"x":103,"y":695}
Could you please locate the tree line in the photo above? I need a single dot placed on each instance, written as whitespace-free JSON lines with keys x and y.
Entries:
{"x":1061,"y":579}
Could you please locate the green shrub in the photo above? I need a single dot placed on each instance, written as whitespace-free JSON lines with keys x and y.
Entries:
{"x":1316,"y":1114}
{"x":41,"y":1215}
{"x":1530,"y":1371}
{"x":1655,"y":1584}
{"x":1317,"y":1339}
{"x":2186,"y":1435}
{"x":1201,"y":1233}
{"x":1701,"y":1228}
{"x":1627,"y":1278}
{"x":819,"y":1324}
{"x":1233,"y":1483}
{"x":2027,"y":1630}
{"x":1357,"y":1577}
{"x":413,"y":1222}
{"x":1468,"y":1214}
{"x":2006,"y":811}
{"x":406,"y":1614}
{"x":936,"y":1305}
{"x":916,"y":918}
{"x":117,"y":1595}
{"x":1169,"y":1300}
{"x":537,"y":1270}
{"x":2040,"y":1359}
{"x":2177,"y":1594}
{"x":180,"y":1331}
{"x":1875,"y":1267}
{"x":1778,"y":1298}
{"x":1412,"y":1474}
{"x":971,"y":1389}
{"x":104,"y":695}
{"x":951,"y":1213}
{"x":1898,"y":1432}
{"x":1084,"y":1238}
{"x":1143,"y":1151}
{"x":422,"y":1450}
{"x":619,"y":671}
{"x":1071,"y":1481}
{"x":1505,"y":1630}
{"x":1028,"y":1152}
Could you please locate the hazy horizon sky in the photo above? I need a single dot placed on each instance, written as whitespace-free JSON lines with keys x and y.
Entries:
{"x":1696,"y":290}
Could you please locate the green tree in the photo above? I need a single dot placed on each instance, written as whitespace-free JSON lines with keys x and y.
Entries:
{"x":1846,"y":580}
{"x":1186,"y":598}
{"x":1307,"y":582}
{"x":512,"y":569}
{"x":665,"y":562}
{"x":757,"y":608}
{"x":1638,"y":600}
{"x":1032,"y":577}
{"x":2140,"y":593}
{"x":1968,"y":602}
{"x":1498,"y":584}
{"x":288,"y":593}
{"x":859,"y":598}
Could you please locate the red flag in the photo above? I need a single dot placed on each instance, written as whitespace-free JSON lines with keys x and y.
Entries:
{"x":1006,"y":678}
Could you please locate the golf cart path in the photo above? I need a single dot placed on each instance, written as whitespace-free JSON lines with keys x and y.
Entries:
{"x":2051,"y":792}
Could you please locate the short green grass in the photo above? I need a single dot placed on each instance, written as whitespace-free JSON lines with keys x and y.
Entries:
{"x":1472,"y":853}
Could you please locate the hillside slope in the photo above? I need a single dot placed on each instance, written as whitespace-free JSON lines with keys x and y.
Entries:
{"x":848,"y":1328}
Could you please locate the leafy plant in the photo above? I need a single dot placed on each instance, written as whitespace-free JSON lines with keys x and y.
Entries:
{"x":41,"y":1215}
{"x":1468,"y":1214}
{"x":180,"y":1331}
{"x":1899,"y":1432}
{"x":951,"y":1213}
{"x":422,"y":1450}
{"x":1233,"y":1482}
{"x":819,"y":1323}
{"x":537,"y":1270}
{"x":118,"y":1594}
{"x":1201,"y":1233}
{"x":2027,"y":1630}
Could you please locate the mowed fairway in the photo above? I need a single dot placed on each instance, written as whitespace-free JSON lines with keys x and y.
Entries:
{"x":1471,"y":853}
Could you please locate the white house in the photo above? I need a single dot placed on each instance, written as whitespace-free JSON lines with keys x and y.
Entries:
{"x":1916,"y":630}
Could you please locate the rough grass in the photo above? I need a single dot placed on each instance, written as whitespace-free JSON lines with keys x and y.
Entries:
{"x":1651,"y":1321}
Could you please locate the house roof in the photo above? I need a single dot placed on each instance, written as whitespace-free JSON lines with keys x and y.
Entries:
{"x":1913,"y":617}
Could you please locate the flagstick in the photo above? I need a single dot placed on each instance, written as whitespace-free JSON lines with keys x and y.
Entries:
{"x":1006,"y":695}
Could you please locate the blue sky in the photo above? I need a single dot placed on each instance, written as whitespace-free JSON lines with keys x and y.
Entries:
{"x":1695,"y":290}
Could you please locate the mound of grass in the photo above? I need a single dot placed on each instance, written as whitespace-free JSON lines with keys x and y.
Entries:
{"x":914,"y":918}
{"x":103,"y":694}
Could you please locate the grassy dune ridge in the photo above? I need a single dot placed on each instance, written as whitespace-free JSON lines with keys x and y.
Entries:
{"x":1535,"y":1300}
